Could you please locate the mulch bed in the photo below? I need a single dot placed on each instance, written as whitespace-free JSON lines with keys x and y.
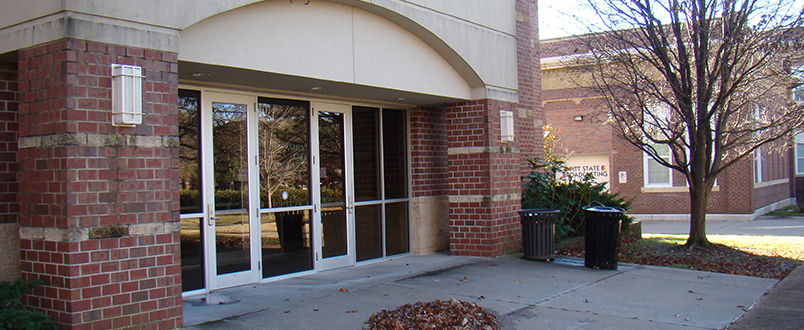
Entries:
{"x":716,"y":258}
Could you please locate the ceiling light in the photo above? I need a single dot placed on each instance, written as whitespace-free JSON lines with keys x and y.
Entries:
{"x":316,"y":88}
{"x":200,"y":74}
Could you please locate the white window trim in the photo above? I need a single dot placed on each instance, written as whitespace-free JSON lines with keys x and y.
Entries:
{"x":798,"y":141}
{"x":757,"y":162}
{"x":797,"y":93}
{"x":646,"y":172}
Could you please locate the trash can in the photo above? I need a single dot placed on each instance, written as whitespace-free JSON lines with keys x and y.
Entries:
{"x":539,"y":233}
{"x":602,"y":236}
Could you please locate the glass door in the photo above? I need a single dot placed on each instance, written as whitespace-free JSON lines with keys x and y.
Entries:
{"x":335,"y":205}
{"x":229,"y":180}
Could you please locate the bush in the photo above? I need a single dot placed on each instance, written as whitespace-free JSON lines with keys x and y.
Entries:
{"x":13,"y":314}
{"x":545,"y":190}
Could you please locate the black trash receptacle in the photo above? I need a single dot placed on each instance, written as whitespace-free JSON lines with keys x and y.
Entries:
{"x":602,"y":236}
{"x":538,"y":233}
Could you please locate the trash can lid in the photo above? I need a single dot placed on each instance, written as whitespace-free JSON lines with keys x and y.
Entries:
{"x":600,"y":208}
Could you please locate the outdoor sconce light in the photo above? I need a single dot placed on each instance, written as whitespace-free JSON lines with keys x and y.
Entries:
{"x":126,"y":95}
{"x":578,"y":118}
{"x":506,"y":126}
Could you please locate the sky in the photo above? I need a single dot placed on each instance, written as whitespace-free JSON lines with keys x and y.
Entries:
{"x":555,"y":20}
{"x":556,"y":17}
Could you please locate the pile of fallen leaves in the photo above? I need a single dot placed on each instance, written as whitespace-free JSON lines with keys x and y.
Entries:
{"x":448,"y":314}
{"x":717,"y":258}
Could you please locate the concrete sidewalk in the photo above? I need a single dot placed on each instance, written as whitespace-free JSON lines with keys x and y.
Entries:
{"x":764,"y":225}
{"x":524,"y":294}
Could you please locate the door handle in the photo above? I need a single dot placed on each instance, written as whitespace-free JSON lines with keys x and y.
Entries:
{"x":211,"y":215}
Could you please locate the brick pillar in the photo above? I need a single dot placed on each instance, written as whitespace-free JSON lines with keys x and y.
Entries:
{"x":99,"y":220}
{"x":485,"y":175}
{"x":9,"y":208}
{"x":484,"y":181}
{"x":531,"y":112}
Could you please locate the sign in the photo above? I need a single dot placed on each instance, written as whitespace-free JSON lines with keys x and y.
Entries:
{"x":579,"y":166}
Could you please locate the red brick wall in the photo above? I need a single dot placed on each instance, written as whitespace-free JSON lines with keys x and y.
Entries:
{"x":9,"y":208}
{"x":589,"y":136}
{"x":528,"y":126}
{"x":733,"y":197}
{"x":99,"y":204}
{"x":428,"y":148}
{"x":484,"y":182}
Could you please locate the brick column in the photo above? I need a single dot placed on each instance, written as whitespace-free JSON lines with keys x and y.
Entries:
{"x":485,"y":175}
{"x":484,"y":181}
{"x":9,"y":208}
{"x":99,"y":204}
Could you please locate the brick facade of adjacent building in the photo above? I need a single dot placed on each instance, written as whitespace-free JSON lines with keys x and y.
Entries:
{"x":736,"y":193}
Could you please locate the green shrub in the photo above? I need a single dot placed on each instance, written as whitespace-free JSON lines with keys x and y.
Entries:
{"x":545,"y":190}
{"x":13,"y":314}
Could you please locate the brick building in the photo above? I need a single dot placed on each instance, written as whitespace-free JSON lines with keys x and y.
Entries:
{"x":275,"y":138}
{"x":751,"y":187}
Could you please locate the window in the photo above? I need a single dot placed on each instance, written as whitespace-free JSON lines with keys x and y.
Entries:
{"x":757,"y":155}
{"x":656,"y":118}
{"x":800,"y":154}
{"x":658,"y":175}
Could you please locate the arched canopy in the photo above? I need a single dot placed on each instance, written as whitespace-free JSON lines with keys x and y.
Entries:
{"x":294,"y":47}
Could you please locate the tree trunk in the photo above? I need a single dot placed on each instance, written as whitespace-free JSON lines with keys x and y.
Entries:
{"x":699,"y":200}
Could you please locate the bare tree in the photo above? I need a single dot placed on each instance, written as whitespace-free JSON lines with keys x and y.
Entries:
{"x":698,"y":84}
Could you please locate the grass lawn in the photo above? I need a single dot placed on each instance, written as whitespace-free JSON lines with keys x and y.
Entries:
{"x":760,"y":256}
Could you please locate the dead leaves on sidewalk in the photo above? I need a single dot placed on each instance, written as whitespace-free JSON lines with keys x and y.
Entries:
{"x":449,"y":314}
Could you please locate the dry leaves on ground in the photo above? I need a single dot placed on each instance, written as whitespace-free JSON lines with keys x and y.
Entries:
{"x":448,"y":314}
{"x":719,"y":258}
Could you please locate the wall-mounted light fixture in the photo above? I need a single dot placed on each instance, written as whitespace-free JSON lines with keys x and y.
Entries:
{"x":126,"y":95}
{"x":578,"y":118}
{"x":506,"y":126}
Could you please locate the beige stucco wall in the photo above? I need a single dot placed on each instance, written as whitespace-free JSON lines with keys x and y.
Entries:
{"x":430,"y":224}
{"x":326,"y":41}
{"x":476,"y":37}
{"x":9,"y":251}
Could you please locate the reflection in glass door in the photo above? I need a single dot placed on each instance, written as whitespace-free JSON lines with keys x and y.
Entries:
{"x":230,"y":155}
{"x":336,"y":202}
{"x":284,"y":174}
{"x":229,"y":192}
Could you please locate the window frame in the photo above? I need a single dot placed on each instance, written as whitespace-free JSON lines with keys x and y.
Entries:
{"x":799,"y":156}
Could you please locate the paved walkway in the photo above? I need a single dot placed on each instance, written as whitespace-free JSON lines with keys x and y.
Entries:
{"x":524,"y":294}
{"x":783,"y":306}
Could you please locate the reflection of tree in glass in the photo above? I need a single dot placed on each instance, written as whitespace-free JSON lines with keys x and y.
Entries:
{"x":188,"y":141}
{"x":283,"y":148}
{"x":330,"y":132}
{"x":189,"y":146}
{"x":231,"y":151}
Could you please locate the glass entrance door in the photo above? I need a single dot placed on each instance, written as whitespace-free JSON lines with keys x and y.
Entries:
{"x":228,"y":181}
{"x":335,"y":220}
